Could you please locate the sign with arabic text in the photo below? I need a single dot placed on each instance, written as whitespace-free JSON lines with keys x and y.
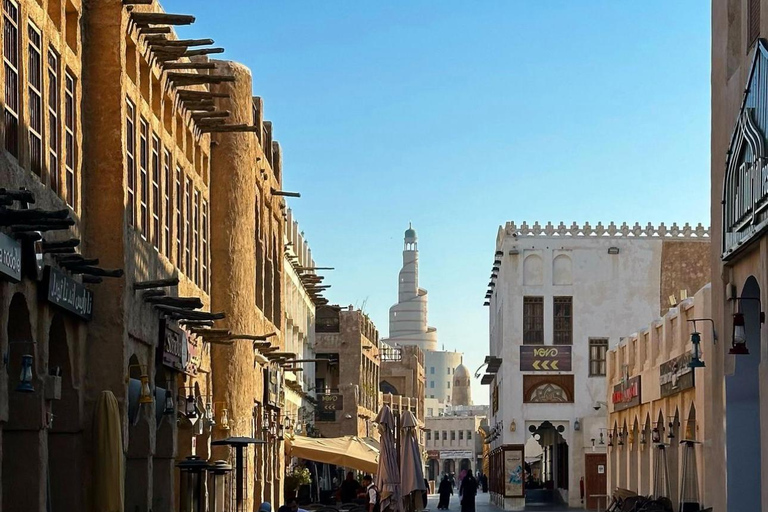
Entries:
{"x":545,"y":358}
{"x":675,"y":375}
{"x":68,"y":294}
{"x":626,"y":394}
{"x":180,"y":349}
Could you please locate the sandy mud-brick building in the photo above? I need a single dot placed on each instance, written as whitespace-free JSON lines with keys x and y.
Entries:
{"x":660,"y":409}
{"x":347,"y":381}
{"x":559,"y":298}
{"x":44,"y":309}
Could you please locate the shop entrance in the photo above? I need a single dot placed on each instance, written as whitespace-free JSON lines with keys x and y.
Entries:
{"x":545,"y":485}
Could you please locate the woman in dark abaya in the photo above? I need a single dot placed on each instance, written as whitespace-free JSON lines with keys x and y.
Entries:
{"x":445,"y":490}
{"x":468,"y":491}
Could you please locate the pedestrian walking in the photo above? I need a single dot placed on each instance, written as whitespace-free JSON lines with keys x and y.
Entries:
{"x":468,"y":491}
{"x":445,"y":491}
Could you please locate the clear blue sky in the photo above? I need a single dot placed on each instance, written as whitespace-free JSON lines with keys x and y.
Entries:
{"x":461,"y":115}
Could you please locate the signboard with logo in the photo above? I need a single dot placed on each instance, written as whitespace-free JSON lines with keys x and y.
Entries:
{"x":10,"y":258}
{"x":675,"y":375}
{"x":626,"y":394}
{"x":545,"y":358}
{"x":456,"y":454}
{"x":68,"y":294}
{"x":433,"y":454}
{"x":330,"y":401}
{"x":514,"y":477}
{"x":180,"y":349}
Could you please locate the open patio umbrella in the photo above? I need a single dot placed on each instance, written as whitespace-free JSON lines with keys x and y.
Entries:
{"x":411,"y":464}
{"x":347,"y":451}
{"x":388,"y":474}
{"x":109,"y":466}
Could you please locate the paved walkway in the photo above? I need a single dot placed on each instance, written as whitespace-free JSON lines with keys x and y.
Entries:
{"x":483,"y":504}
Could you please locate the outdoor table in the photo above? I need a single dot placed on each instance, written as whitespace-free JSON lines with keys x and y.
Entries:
{"x":598,"y":496}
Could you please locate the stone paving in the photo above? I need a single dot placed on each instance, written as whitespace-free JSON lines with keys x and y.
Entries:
{"x":483,"y":504}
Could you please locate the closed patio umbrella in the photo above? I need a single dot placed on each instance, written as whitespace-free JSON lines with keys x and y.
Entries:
{"x":109,"y":466}
{"x":411,"y":464}
{"x":388,"y":474}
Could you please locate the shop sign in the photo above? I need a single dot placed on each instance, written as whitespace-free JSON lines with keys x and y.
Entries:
{"x":180,"y":349}
{"x":456,"y":454}
{"x":675,"y":375}
{"x":433,"y":454}
{"x":273,"y":386}
{"x":540,"y":358}
{"x":626,"y":394}
{"x":514,"y":462}
{"x":68,"y":294}
{"x":330,"y":401}
{"x":745,"y":186}
{"x":10,"y":258}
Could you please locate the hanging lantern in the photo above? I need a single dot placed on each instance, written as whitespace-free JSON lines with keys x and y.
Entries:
{"x":145,"y":394}
{"x":610,"y":439}
{"x":696,"y":361}
{"x":656,"y":435}
{"x":25,"y":379}
{"x":739,"y":342}
{"x":209,"y":415}
{"x":602,"y":441}
{"x":191,"y":408}
{"x":224,"y":420}
{"x":620,"y":435}
{"x":642,"y":437}
{"x":671,"y":434}
{"x":169,"y":405}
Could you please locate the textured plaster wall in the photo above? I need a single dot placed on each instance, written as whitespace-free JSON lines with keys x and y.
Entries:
{"x":684,"y":266}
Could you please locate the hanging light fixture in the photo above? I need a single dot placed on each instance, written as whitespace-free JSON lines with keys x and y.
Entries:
{"x":25,"y":378}
{"x":602,"y":441}
{"x":145,"y":395}
{"x":642,"y":437}
{"x":209,"y":416}
{"x":610,"y":439}
{"x":170,"y":407}
{"x":671,"y":434}
{"x":696,"y":361}
{"x":656,"y":435}
{"x":191,"y":408}
{"x":739,"y":341}
{"x":620,"y":435}
{"x":224,"y":420}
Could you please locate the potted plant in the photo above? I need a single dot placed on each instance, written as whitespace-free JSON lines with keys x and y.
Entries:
{"x":298,"y":476}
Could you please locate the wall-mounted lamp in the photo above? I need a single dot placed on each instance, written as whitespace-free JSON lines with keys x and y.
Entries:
{"x":696,"y":361}
{"x":643,"y":439}
{"x":602,"y":440}
{"x":513,"y":426}
{"x":25,"y":375}
{"x":739,"y":340}
{"x":223,"y":415}
{"x":656,"y":434}
{"x":577,"y":425}
{"x":170,"y":407}
{"x":145,"y":393}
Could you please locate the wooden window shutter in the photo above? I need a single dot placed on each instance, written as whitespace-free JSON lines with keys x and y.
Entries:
{"x":753,"y":22}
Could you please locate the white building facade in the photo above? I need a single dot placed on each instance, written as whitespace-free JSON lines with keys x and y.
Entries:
{"x":299,"y":322}
{"x":453,"y":442}
{"x":559,"y":298}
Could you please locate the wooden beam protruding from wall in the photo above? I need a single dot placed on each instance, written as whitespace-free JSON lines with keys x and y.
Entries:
{"x":161,"y":18}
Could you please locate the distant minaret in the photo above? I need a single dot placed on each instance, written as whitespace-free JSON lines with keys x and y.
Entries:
{"x":462,"y":391}
{"x":408,"y":318}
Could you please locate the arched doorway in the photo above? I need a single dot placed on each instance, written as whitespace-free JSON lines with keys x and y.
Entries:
{"x":646,"y":446}
{"x":742,"y":394}
{"x":634,"y":441}
{"x":449,"y":466}
{"x":23,"y":434}
{"x":554,"y":471}
{"x":64,"y":439}
{"x":433,"y":470}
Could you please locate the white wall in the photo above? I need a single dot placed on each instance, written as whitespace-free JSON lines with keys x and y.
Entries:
{"x":613,"y":294}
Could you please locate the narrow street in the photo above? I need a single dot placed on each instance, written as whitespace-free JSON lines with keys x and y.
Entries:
{"x":483,"y":504}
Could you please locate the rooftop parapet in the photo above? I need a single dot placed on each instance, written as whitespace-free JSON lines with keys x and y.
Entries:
{"x":686,"y":232}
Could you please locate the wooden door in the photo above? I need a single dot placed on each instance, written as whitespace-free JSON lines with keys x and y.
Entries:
{"x":595,"y":479}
